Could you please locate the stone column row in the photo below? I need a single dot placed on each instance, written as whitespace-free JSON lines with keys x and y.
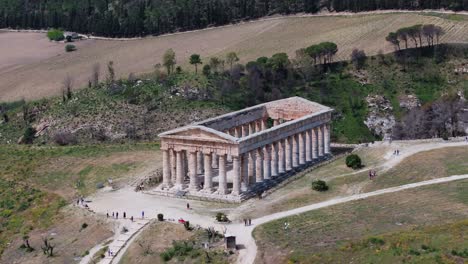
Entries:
{"x":177,"y":165}
{"x":250,"y":128}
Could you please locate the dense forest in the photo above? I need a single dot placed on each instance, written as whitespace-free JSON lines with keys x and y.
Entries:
{"x":129,"y":18}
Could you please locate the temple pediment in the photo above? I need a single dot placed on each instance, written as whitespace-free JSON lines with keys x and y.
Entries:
{"x":199,"y":133}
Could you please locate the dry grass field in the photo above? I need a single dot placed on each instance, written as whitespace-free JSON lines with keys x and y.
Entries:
{"x":32,"y":68}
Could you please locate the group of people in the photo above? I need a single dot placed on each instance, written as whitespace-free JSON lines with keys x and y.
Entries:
{"x":372,"y":174}
{"x":115,"y":215}
{"x":247,"y":221}
{"x":396,"y":152}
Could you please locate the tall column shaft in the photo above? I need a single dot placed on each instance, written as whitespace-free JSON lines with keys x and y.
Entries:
{"x":281,"y":156}
{"x":308,"y":145}
{"x":288,"y":153}
{"x":208,"y":185}
{"x":320,"y":141}
{"x":172,"y":153}
{"x":236,"y":177}
{"x":295,"y":148}
{"x":301,"y":138}
{"x":192,"y":160}
{"x":166,"y":170}
{"x":244,"y":172}
{"x":259,"y":165}
{"x":274,"y":159}
{"x":327,"y":139}
{"x":222,"y":188}
{"x":264,"y":124}
{"x":179,"y":169}
{"x":258,"y":126}
{"x":251,"y":128}
{"x":245,"y":130}
{"x":267,"y":162}
{"x":276,"y":122}
{"x":314,"y":143}
{"x":251,"y":166}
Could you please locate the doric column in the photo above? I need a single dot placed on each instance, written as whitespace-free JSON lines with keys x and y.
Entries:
{"x":267,"y":162}
{"x":244,"y":172}
{"x":258,"y":126}
{"x":327,"y":138}
{"x":259,"y":165}
{"x":264,"y":124}
{"x":199,"y":162}
{"x":185,"y":163}
{"x":222,"y":188}
{"x":295,"y":151}
{"x":288,"y":153}
{"x":251,"y":128}
{"x":314,"y":143}
{"x":308,"y":145}
{"x":172,"y":153}
{"x":208,"y":185}
{"x":238,"y":132}
{"x":281,"y":156}
{"x":320,"y":141}
{"x":236,"y":177}
{"x":245,"y":130}
{"x":274,"y":159}
{"x":301,"y":138}
{"x":179,"y":170}
{"x":214,"y":160}
{"x":275,"y":122}
{"x":192,"y":160}
{"x":166,"y":170}
{"x":251,"y":166}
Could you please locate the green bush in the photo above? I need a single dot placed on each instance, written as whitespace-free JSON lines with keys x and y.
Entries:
{"x":160,"y":217}
{"x":221,"y":217}
{"x":55,"y":34}
{"x":28,"y":136}
{"x":319,"y":186}
{"x":354,"y":161}
{"x":70,"y":48}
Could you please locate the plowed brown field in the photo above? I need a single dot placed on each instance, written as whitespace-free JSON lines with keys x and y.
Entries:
{"x":31,"y":67}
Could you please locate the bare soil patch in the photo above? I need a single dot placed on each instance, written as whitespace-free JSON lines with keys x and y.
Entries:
{"x":36,"y":77}
{"x":71,"y":240}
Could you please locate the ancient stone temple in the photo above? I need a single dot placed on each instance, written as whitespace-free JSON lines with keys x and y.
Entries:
{"x":237,"y":155}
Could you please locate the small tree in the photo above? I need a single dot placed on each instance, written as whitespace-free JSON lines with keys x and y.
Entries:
{"x":70,"y":48}
{"x":95,"y":74}
{"x":48,"y":248}
{"x":67,"y":87}
{"x":354,"y":161}
{"x":393,"y":38}
{"x":358,"y":58}
{"x":231,"y":57}
{"x":55,"y":34}
{"x":28,"y":135}
{"x":195,"y":60}
{"x":319,"y":185}
{"x":110,"y":72}
{"x":169,"y":60}
{"x":206,"y":70}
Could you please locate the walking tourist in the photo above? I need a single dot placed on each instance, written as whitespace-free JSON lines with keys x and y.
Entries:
{"x":142,"y":214}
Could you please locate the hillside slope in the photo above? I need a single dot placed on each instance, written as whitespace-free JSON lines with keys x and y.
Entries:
{"x":33,"y":79}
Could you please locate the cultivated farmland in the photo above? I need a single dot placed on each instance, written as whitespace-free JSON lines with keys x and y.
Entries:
{"x":42,"y":73}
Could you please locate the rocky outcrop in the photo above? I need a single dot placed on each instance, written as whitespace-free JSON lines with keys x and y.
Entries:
{"x":380,"y":119}
{"x":409,"y":101}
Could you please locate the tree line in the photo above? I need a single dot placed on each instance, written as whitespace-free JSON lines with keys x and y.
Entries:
{"x":131,"y":18}
{"x":430,"y":33}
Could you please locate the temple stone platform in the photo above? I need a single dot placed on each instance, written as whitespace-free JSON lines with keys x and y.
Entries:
{"x":239,"y":155}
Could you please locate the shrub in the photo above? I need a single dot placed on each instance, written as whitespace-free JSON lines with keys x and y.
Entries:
{"x":319,"y":186}
{"x":70,"y":48}
{"x":160,"y":217}
{"x":64,"y":138}
{"x":221,"y":217}
{"x":55,"y":34}
{"x":28,"y":136}
{"x":354,"y":161}
{"x":84,"y":225}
